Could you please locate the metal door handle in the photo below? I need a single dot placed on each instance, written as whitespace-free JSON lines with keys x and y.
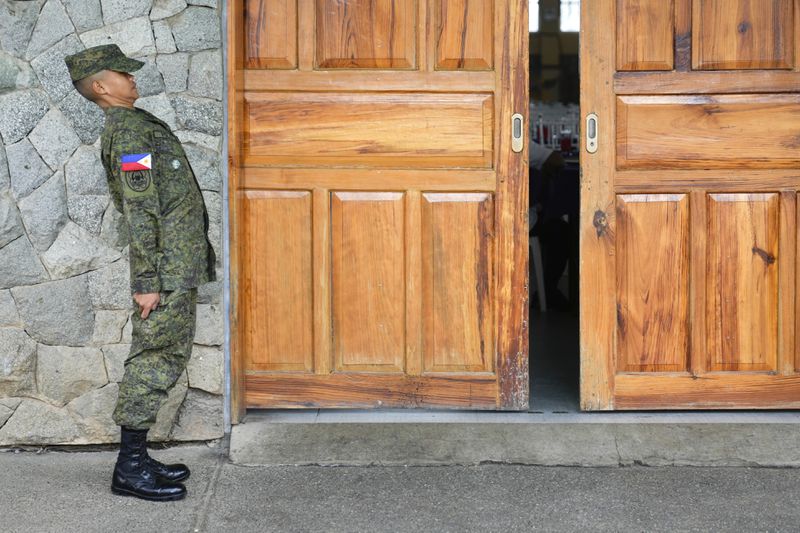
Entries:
{"x":591,"y":133}
{"x":517,"y":138}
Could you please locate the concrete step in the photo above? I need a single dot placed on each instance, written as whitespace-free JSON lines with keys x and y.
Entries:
{"x":426,"y":438}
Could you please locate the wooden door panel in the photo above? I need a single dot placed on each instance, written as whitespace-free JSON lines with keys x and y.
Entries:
{"x":742,"y":281}
{"x":457,"y":274}
{"x":717,"y":131}
{"x":743,"y":34}
{"x":645,"y":33}
{"x":271,"y":34}
{"x":375,"y":130}
{"x":276,"y":257}
{"x":381,"y":143}
{"x":652,"y":282}
{"x":368,"y":281}
{"x":465,"y":34}
{"x":689,"y":208}
{"x":366,"y":34}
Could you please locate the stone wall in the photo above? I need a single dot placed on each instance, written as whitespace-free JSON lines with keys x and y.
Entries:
{"x":64,"y":281}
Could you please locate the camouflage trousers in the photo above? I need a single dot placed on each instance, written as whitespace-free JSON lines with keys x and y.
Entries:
{"x":161,"y":347}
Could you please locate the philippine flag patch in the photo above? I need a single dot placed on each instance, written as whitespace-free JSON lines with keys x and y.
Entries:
{"x":133,"y":162}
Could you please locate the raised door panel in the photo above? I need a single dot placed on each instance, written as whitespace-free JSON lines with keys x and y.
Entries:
{"x":464,"y":35}
{"x":645,"y":34}
{"x":378,"y":34}
{"x":271,"y":34}
{"x":351,"y":129}
{"x":368,"y":281}
{"x":743,"y":34}
{"x":457,"y":231}
{"x":652,"y":283}
{"x":743,"y":281}
{"x":276,"y":271}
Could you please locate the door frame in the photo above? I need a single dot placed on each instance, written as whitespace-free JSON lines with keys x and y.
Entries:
{"x":511,"y":229}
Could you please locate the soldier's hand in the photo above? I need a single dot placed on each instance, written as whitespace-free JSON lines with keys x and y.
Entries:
{"x":147,"y":302}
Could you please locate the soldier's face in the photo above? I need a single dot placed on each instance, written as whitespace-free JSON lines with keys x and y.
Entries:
{"x":120,"y":86}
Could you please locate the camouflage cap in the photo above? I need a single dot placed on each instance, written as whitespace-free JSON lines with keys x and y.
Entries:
{"x":104,"y":57}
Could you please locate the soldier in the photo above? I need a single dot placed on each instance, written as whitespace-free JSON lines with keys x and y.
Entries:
{"x":153,"y":185}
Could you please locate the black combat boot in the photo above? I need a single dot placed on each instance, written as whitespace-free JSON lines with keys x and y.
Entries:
{"x":133,"y":475}
{"x":174,"y":473}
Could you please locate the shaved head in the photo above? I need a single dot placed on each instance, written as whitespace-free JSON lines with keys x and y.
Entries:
{"x":85,"y":87}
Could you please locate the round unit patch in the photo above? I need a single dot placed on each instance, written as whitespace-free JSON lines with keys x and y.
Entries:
{"x":176,"y":164}
{"x":138,"y":181}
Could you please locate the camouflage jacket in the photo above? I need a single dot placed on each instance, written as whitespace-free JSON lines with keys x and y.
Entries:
{"x":153,"y":185}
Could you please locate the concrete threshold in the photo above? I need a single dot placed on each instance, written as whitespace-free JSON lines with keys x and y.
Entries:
{"x":431,"y":438}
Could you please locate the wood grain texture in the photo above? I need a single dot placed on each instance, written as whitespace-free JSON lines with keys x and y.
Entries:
{"x":511,"y":207}
{"x":683,"y":35}
{"x":698,"y":259}
{"x":652,"y":283}
{"x":368,"y":281}
{"x":719,"y":390}
{"x":288,"y":391}
{"x":271,"y":29}
{"x":645,"y":34}
{"x":276,"y":277}
{"x":380,"y":130}
{"x":368,"y":179}
{"x":369,"y":81}
{"x":464,"y":34}
{"x":457,"y":256}
{"x":708,"y":131}
{"x":742,"y":281}
{"x":413,"y":280}
{"x":725,"y":180}
{"x":366,"y":34}
{"x":234,"y":68}
{"x":597,"y":217}
{"x":787,"y":288}
{"x":323,"y":329}
{"x":743,"y":34}
{"x":707,"y":82}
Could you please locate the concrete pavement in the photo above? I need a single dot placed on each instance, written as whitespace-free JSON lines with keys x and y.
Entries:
{"x":65,"y":491}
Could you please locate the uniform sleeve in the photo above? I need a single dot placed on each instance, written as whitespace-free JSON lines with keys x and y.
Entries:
{"x":132,"y":163}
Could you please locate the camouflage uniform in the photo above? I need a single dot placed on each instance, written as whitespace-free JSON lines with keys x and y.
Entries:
{"x":169,"y":249}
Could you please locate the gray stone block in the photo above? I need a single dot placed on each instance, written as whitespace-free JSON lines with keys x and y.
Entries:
{"x":214,"y":207}
{"x":127,"y":331}
{"x":84,"y":172}
{"x":115,"y":355}
{"x":19,"y":264}
{"x":160,"y":106}
{"x":75,"y":252}
{"x":17,"y":20}
{"x":44,"y":212}
{"x":205,"y":369}
{"x":57,"y":312}
{"x":17,"y":363}
{"x":64,"y":373}
{"x":87,"y":211}
{"x":8,"y":310}
{"x":110,"y":288}
{"x":22,"y":110}
{"x":166,"y":8}
{"x":107,"y":326}
{"x":199,"y":418}
{"x":205,"y":164}
{"x":7,"y":408}
{"x":148,"y":78}
{"x":196,"y":28}
{"x":175,"y":71}
{"x":212,"y":142}
{"x":10,"y":221}
{"x":85,"y":14}
{"x":15,"y":73}
{"x":51,"y":69}
{"x":200,"y":114}
{"x":26,"y":168}
{"x":5,"y":178}
{"x":165,"y":419}
{"x":54,"y":139}
{"x":93,"y":414}
{"x":206,"y":3}
{"x":205,"y":74}
{"x":134,"y":36}
{"x":52,"y":25}
{"x":38,"y":423}
{"x":211,"y":293}
{"x":121,"y":10}
{"x":114,"y":230}
{"x":87,"y":119}
{"x":209,"y":331}
{"x":165,"y":42}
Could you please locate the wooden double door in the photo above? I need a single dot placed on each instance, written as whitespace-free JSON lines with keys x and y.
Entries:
{"x":378,"y":203}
